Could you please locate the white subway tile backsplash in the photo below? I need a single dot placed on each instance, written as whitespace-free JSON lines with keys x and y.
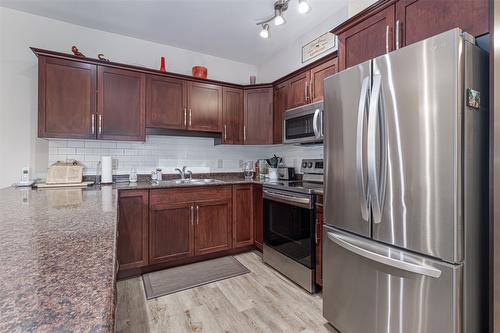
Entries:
{"x":198,"y":154}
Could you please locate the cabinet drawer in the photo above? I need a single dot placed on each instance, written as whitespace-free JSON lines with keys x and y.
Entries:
{"x":189,"y":194}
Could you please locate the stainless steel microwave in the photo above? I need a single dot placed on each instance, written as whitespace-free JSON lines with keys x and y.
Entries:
{"x":304,"y":124}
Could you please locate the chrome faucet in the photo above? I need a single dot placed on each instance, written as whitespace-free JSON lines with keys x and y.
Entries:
{"x":183,"y":173}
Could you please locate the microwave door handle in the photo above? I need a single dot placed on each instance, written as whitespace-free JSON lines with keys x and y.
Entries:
{"x":316,"y":129}
{"x":389,"y":261}
{"x":363,"y":191}
{"x":373,"y":179}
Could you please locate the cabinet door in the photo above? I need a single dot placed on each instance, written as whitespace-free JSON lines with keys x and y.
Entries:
{"x":280,"y":106}
{"x":171,"y":232}
{"x":319,"y":245}
{"x":420,"y":19}
{"x":232,"y":116}
{"x":243,"y":218}
{"x":368,"y":39}
{"x":166,"y":101}
{"x":298,"y":91}
{"x":258,"y":204}
{"x":213,"y":222}
{"x":121,"y":104}
{"x":258,"y":127}
{"x":318,"y":75}
{"x":205,"y":107}
{"x":133,"y":229}
{"x":66,"y":99}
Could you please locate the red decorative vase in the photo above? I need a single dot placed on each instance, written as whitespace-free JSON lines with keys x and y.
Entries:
{"x":162,"y":66}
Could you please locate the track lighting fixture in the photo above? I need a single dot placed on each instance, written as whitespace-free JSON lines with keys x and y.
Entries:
{"x":280,"y":6}
{"x":264,"y":33}
{"x":304,"y":7}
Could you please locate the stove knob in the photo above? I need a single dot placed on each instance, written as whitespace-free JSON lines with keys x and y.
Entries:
{"x":304,"y":164}
{"x":309,"y":165}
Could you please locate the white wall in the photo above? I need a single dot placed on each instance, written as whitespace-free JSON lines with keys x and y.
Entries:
{"x":19,"y":145}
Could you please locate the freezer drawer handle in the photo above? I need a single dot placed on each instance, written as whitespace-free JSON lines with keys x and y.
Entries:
{"x":359,"y":148}
{"x":403,"y":265}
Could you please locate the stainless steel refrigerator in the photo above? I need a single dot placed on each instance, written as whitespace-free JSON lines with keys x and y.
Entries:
{"x":406,"y":198}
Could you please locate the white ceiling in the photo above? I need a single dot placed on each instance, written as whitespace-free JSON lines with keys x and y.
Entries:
{"x":224,"y":28}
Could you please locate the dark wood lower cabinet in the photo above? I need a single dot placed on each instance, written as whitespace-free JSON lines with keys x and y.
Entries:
{"x":213,"y":226}
{"x":133,"y":209}
{"x":162,"y":228}
{"x":171,"y":232}
{"x":319,"y":241}
{"x":243,"y":215}
{"x":258,"y":216}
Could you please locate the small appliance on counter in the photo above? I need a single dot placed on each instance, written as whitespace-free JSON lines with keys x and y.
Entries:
{"x":65,"y":174}
{"x":107,"y":170}
{"x":286,"y":173}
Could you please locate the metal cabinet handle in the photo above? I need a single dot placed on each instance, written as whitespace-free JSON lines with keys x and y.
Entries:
{"x":387,"y":39}
{"x":225,"y":132}
{"x":403,"y":265}
{"x":100,"y":124}
{"x":189,"y":117}
{"x":398,"y":28}
{"x":305,"y":92}
{"x":185,"y":117}
{"x":197,"y":214}
{"x":310,"y":91}
{"x":244,"y":133}
{"x":93,"y":123}
{"x":192,"y":214}
{"x":359,"y":148}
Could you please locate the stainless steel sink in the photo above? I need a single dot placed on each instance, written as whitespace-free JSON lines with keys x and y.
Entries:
{"x":188,"y":182}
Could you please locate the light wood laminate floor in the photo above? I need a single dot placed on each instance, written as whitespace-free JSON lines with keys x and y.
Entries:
{"x":261,"y":301}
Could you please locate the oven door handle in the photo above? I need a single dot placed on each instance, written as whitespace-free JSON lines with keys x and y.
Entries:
{"x":288,"y":199}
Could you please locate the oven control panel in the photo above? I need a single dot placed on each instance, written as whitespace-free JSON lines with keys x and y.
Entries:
{"x":312,"y":166}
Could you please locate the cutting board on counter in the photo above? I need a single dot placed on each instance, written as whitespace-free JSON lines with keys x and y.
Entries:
{"x":65,"y":185}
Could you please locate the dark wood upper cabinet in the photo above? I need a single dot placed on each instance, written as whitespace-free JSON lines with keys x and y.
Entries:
{"x":298,"y":90}
{"x":213,"y":225}
{"x":280,"y":105}
{"x":232,"y":115}
{"x":171,"y":231}
{"x":243,"y":215}
{"x":205,"y":107}
{"x":166,"y":102}
{"x":370,"y":38}
{"x":420,"y":19}
{"x":318,"y":75}
{"x":133,"y":229}
{"x":258,"y":109}
{"x":66,"y":99}
{"x":121,"y":104}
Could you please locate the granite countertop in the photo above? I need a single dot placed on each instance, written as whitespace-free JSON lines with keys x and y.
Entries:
{"x":58,"y":260}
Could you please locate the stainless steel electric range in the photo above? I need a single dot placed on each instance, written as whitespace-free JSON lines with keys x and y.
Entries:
{"x":289,"y":224}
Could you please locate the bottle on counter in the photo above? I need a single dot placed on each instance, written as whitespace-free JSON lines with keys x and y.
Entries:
{"x":257,"y":172}
{"x":159,"y":175}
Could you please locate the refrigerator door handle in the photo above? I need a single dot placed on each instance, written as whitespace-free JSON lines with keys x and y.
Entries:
{"x":400,"y":264}
{"x":376,"y":183}
{"x":359,"y":148}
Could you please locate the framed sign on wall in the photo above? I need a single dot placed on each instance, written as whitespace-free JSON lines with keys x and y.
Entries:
{"x":318,"y":46}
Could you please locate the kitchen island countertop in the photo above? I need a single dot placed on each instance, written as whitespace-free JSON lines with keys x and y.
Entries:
{"x":58,"y":260}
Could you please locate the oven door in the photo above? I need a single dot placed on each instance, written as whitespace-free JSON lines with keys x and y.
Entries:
{"x":304,"y":124}
{"x":289,"y":225}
